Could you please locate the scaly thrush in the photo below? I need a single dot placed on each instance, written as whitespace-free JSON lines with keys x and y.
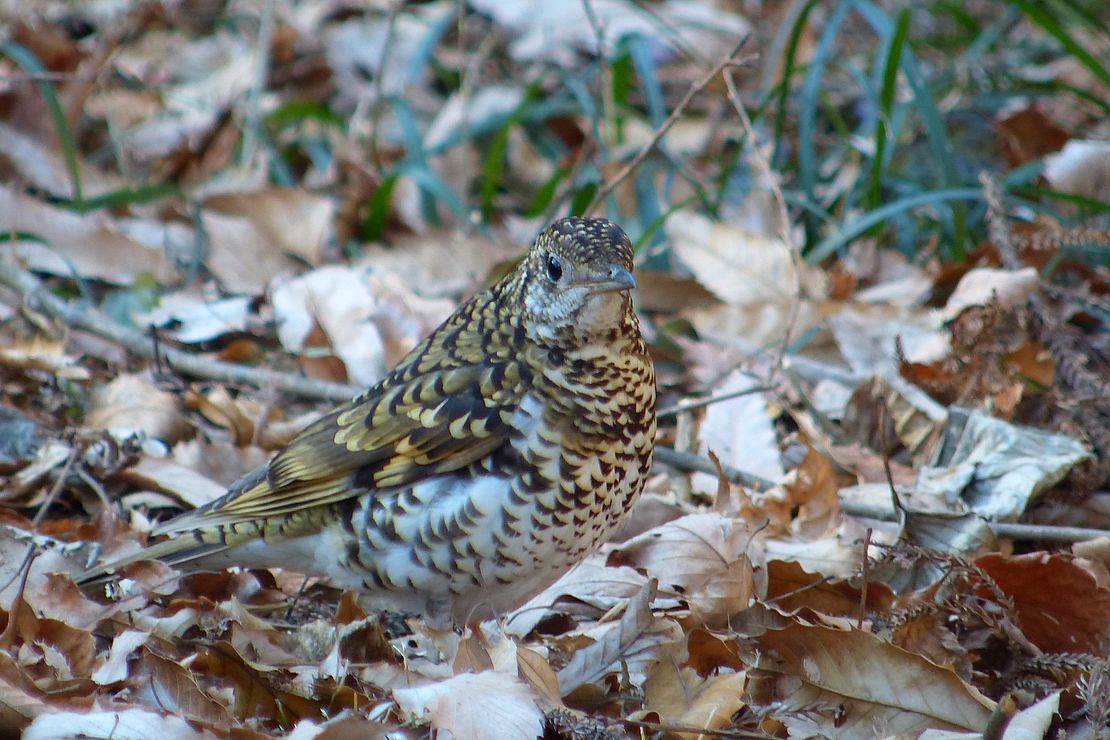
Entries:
{"x":499,"y":453}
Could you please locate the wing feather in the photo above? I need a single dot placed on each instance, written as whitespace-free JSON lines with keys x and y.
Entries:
{"x":426,"y":418}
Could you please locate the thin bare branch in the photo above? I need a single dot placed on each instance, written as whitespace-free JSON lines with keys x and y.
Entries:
{"x":690,"y":463}
{"x":794,"y":250}
{"x":1028,"y":532}
{"x":138,"y":343}
{"x":731,"y":60}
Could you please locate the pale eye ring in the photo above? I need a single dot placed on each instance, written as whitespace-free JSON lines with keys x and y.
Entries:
{"x":554,"y":268}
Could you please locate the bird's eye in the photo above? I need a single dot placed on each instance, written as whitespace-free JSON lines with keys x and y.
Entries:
{"x":554,"y":268}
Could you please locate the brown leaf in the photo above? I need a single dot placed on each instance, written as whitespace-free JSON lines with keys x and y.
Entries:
{"x":790,"y":588}
{"x":1060,"y":605}
{"x":709,"y":653}
{"x":706,"y":559}
{"x":813,"y":489}
{"x":472,"y":656}
{"x":850,"y":682}
{"x":1028,"y":135}
{"x":533,"y":668}
{"x":133,"y":403}
{"x":254,"y":692}
{"x":174,"y":687}
{"x":684,"y":698}
{"x":1034,"y":361}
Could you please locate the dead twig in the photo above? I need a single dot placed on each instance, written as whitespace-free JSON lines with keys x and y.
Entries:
{"x":36,"y":296}
{"x":729,"y":61}
{"x":689,"y":404}
{"x":793,"y":250}
{"x":1028,"y":532}
{"x":697,"y":464}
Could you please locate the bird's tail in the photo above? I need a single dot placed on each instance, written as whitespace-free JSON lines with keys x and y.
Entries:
{"x":172,"y":551}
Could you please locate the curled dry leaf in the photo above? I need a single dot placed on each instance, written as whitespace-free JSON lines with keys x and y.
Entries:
{"x":132,"y":403}
{"x":636,"y":642}
{"x":855,"y":681}
{"x":708,"y":560}
{"x":684,"y":699}
{"x":473,"y":705}
{"x":114,"y":668}
{"x":42,"y":355}
{"x":996,"y":467}
{"x":984,"y":285}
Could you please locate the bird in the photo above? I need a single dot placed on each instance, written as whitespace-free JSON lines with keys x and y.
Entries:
{"x":501,"y":451}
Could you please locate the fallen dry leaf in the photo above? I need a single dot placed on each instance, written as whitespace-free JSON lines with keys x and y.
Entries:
{"x":132,"y":403}
{"x":870,"y":685}
{"x":1060,"y":605}
{"x":708,"y":560}
{"x":486,"y":704}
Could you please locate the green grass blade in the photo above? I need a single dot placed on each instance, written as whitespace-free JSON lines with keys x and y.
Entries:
{"x":789,"y":65}
{"x":935,"y":129}
{"x":643,"y":60}
{"x":861,"y":225}
{"x":31,"y":65}
{"x":809,"y":102}
{"x":1037,"y":13}
{"x":884,"y":121}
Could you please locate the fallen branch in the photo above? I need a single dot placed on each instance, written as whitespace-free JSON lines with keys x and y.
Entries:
{"x":37,"y":297}
{"x":1029,"y":532}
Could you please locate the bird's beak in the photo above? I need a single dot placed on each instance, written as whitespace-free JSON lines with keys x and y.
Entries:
{"x":618,"y":279}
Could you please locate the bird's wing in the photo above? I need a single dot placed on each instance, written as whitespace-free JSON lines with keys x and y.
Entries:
{"x":448,"y":405}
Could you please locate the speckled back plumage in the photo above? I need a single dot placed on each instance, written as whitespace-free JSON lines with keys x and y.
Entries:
{"x":501,"y":451}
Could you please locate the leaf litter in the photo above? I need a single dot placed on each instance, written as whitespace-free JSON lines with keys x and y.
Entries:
{"x":977,"y":393}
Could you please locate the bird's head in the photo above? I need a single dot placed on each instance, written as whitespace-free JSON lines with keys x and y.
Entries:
{"x":576,"y":280}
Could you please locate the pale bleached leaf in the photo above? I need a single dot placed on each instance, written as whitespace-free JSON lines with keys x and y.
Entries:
{"x":636,"y":642}
{"x":984,"y":285}
{"x":996,"y":467}
{"x":88,"y":245}
{"x":120,"y":724}
{"x":132,"y":403}
{"x":475,"y":705}
{"x":704,"y":559}
{"x":115,"y":667}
